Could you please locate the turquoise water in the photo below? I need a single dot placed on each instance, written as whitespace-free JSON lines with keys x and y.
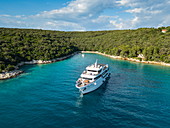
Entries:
{"x":135,"y":96}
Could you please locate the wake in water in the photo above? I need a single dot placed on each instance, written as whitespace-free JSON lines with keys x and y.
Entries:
{"x":81,"y":95}
{"x":79,"y":100}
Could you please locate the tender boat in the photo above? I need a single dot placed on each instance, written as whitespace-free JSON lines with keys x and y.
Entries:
{"x":93,"y":77}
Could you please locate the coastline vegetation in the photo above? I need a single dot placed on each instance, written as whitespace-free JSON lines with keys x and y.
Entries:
{"x":17,"y":45}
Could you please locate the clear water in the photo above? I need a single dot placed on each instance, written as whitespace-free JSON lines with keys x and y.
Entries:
{"x":136,"y":96}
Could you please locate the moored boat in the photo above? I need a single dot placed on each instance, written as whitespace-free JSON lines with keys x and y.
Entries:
{"x":93,"y":77}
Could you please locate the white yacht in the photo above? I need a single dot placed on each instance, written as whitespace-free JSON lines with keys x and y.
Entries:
{"x":92,"y":78}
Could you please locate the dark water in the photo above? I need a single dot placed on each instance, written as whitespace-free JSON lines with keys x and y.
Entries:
{"x":136,"y":96}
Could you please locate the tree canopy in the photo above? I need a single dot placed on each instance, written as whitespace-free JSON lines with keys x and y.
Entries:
{"x":18,"y":45}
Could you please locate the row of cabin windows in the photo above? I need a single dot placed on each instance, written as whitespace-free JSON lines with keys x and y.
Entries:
{"x":97,"y":77}
{"x":104,"y":72}
{"x":101,"y":75}
{"x":94,"y":71}
{"x":87,"y":78}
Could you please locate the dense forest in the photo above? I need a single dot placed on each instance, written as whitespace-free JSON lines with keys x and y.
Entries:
{"x":18,"y":45}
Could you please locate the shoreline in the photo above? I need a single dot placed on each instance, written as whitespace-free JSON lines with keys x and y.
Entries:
{"x":128,"y":59}
{"x":16,"y":71}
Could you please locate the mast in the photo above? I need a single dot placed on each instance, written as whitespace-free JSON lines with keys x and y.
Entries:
{"x":95,"y":63}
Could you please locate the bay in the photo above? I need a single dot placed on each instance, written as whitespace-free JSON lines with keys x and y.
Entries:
{"x":136,"y":95}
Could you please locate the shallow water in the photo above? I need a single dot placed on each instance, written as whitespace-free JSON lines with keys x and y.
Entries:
{"x":136,"y":95}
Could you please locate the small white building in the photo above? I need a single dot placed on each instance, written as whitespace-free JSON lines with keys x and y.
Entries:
{"x":141,"y":56}
{"x":164,"y":30}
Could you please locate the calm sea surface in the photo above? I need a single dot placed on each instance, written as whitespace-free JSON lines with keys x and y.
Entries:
{"x":136,"y":96}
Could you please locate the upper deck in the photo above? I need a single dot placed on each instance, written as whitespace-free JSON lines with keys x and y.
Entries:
{"x":95,"y":67}
{"x":93,"y":70}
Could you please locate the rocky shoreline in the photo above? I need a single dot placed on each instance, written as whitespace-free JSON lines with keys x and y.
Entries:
{"x":16,"y":72}
{"x":129,"y":59}
{"x":11,"y":74}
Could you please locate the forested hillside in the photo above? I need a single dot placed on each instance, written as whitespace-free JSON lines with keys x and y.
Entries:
{"x":18,"y":45}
